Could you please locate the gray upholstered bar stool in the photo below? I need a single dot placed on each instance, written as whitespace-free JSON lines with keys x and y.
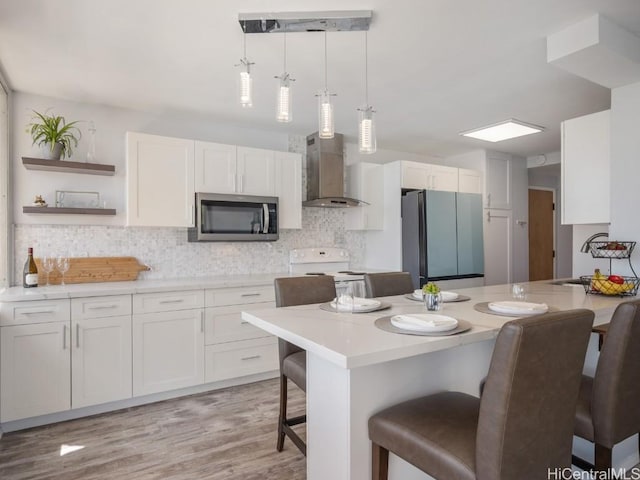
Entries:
{"x":293,"y":359}
{"x":609,"y":404}
{"x":387,"y":284}
{"x":522,"y":425}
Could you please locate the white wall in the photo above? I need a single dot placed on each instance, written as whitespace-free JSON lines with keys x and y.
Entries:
{"x":625,"y":170}
{"x":386,"y":156}
{"x":584,"y":263}
{"x":111,"y":125}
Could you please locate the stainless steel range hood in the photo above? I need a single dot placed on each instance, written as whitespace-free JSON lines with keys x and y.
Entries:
{"x":325,"y":173}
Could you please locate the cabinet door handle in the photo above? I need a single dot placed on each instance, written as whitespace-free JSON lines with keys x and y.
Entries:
{"x":64,"y":337}
{"x":102,"y":307}
{"x":242,"y":183}
{"x":172,"y":301}
{"x":250,"y":294}
{"x":244,"y":322}
{"x":202,"y":322}
{"x":252,"y":357}
{"x":77,"y":335}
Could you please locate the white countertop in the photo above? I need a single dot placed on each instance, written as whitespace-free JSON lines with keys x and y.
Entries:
{"x":79,"y":290}
{"x":352,"y":340}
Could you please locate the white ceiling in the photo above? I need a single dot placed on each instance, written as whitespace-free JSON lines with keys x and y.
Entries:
{"x":436,"y":67}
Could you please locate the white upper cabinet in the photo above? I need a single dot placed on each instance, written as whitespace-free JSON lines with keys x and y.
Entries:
{"x":255,"y":171}
{"x":444,"y":178}
{"x":585,"y":169}
{"x":366,"y":183}
{"x":215,"y":167}
{"x":440,"y":177}
{"x":289,"y":189}
{"x":416,"y":175}
{"x":498,"y":181}
{"x":160,"y":181}
{"x":469,"y":181}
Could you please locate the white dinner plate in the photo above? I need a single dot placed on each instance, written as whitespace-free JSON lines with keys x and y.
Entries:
{"x":424,"y":322}
{"x":360,"y":303}
{"x":524,"y":308}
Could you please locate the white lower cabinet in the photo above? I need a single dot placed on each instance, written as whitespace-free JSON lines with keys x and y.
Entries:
{"x":233,"y":347}
{"x":237,"y":359}
{"x":101,"y":360}
{"x":36,"y":370}
{"x":168,"y":345}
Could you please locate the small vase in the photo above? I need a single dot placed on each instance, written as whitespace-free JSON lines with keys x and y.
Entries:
{"x":56,"y":152}
{"x":433,"y":301}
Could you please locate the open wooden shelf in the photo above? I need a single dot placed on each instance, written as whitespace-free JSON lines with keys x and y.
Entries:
{"x":69,"y":167}
{"x":69,"y":211}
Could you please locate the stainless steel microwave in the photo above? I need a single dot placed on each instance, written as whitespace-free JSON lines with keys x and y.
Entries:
{"x":232,"y":218}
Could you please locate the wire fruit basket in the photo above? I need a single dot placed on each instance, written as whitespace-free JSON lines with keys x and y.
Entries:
{"x":603,"y":286}
{"x":611,"y":249}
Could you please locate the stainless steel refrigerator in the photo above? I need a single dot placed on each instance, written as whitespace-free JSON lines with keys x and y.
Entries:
{"x":441,"y":235}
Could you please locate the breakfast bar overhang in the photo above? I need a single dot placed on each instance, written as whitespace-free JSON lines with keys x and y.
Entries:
{"x":355,"y":369}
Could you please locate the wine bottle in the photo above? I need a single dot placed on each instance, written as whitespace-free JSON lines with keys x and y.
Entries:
{"x":30,"y":273}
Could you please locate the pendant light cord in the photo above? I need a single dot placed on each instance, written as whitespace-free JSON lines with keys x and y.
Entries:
{"x":244,"y":39}
{"x":284,"y":36}
{"x":366,"y":69}
{"x":325,"y":60}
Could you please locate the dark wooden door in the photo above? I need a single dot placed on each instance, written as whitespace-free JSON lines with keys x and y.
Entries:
{"x":540,"y":234}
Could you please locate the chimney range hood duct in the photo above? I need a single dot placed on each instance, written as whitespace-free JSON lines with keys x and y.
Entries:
{"x":325,"y":173}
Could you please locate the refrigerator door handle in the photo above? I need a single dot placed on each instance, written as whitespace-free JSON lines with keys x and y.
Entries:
{"x":422,"y":234}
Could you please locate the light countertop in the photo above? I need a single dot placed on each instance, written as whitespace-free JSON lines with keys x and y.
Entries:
{"x":79,"y":290}
{"x":352,"y":340}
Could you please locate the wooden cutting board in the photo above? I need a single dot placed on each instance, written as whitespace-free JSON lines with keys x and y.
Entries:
{"x":94,"y":269}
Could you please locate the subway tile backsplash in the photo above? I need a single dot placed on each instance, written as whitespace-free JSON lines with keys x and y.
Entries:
{"x":168,"y":253}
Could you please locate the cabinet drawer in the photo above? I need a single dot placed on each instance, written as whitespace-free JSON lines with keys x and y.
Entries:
{"x":225,"y":324}
{"x":237,"y":359}
{"x":239,"y":296}
{"x":96,"y":307}
{"x":40,"y":311}
{"x":167,"y":301}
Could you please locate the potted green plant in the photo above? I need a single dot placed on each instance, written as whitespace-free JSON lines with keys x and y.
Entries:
{"x":53,"y":130}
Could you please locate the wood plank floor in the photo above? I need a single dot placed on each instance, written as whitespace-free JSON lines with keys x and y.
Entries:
{"x":227,"y":434}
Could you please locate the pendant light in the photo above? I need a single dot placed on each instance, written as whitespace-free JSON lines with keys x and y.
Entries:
{"x":366,"y":114}
{"x":246,"y":82}
{"x":326,"y":126}
{"x":283,"y":104}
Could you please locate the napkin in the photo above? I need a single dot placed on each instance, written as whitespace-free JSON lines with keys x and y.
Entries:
{"x":359,"y":303}
{"x":424,"y":322}
{"x":515,"y":308}
{"x":449,"y":296}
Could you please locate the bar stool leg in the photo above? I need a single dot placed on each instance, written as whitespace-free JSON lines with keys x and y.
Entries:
{"x":379,"y":462}
{"x":602,"y":458}
{"x":283,"y":412}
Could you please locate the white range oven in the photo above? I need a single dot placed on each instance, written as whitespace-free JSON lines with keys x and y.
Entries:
{"x":326,"y":261}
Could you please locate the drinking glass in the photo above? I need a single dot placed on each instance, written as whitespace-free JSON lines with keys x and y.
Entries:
{"x":344,"y":297}
{"x":517,"y":291}
{"x":48,"y":264}
{"x":62,"y":264}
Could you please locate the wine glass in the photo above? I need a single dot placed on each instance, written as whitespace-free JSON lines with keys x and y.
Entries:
{"x":62,"y":264}
{"x":48,"y":264}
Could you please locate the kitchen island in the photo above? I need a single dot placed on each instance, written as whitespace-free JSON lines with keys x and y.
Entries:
{"x":355,"y":369}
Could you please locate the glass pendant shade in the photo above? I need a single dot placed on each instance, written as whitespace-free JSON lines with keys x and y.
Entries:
{"x":326,"y":127}
{"x":246,"y":88}
{"x":366,"y":130}
{"x":283,"y":105}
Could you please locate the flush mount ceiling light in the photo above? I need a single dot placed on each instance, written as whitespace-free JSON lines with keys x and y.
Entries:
{"x":503,"y":131}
